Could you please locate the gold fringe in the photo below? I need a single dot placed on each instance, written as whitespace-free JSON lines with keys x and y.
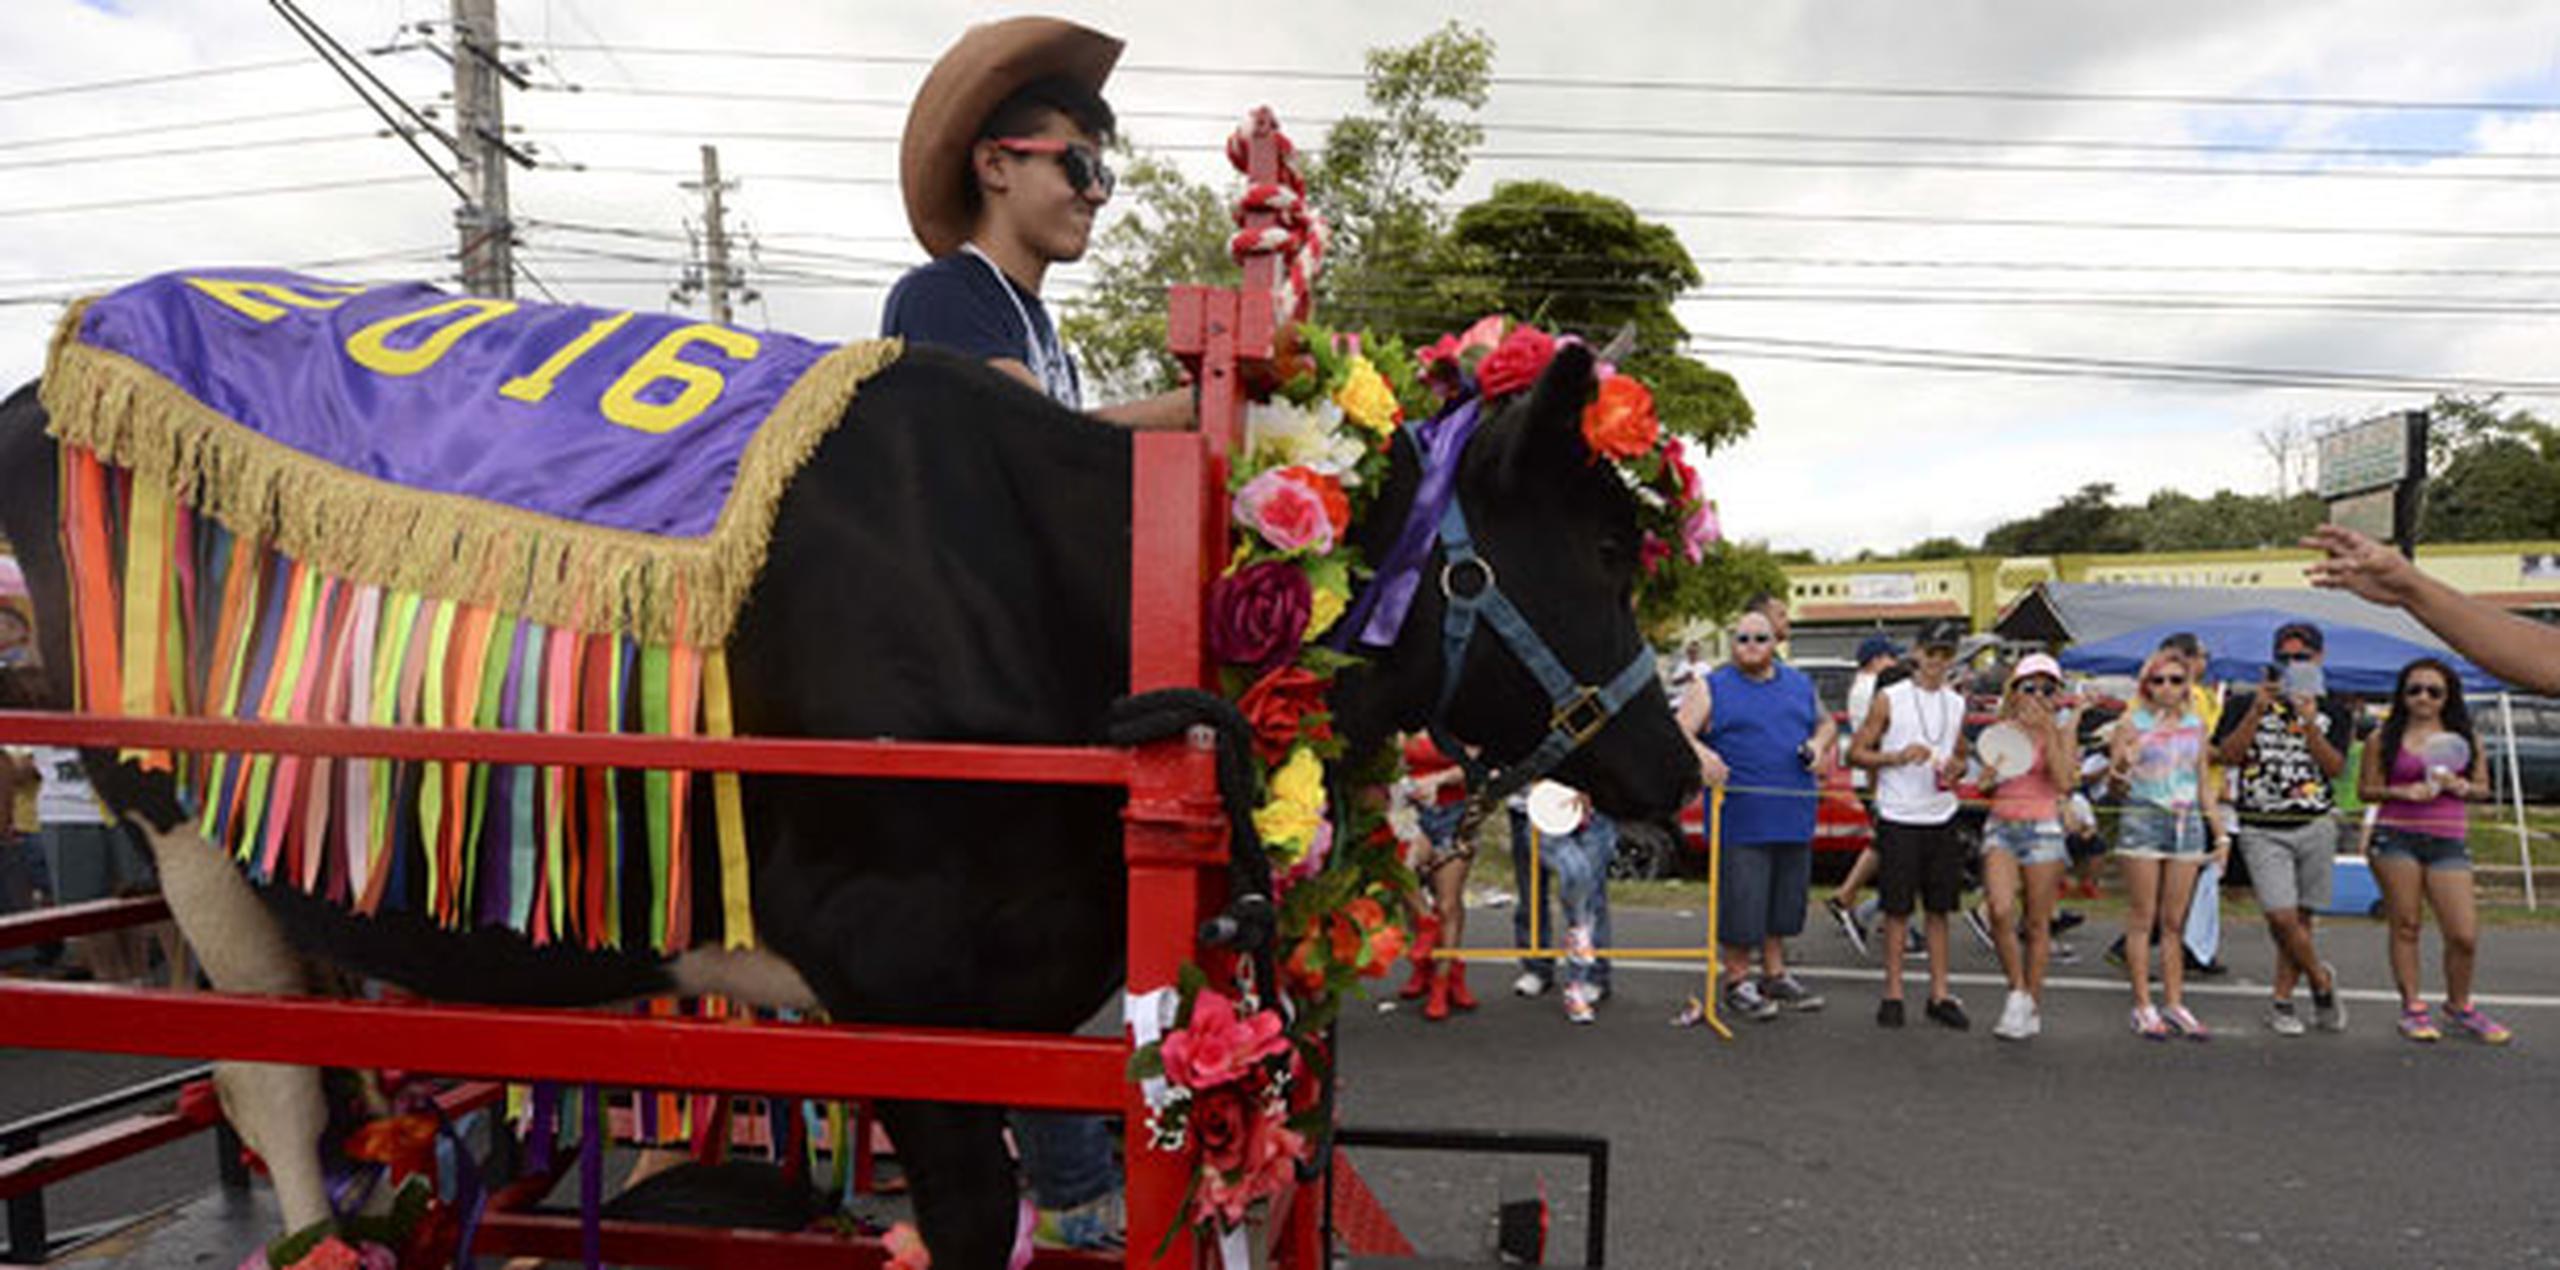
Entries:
{"x":559,"y":572}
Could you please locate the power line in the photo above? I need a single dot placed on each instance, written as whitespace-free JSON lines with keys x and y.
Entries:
{"x":208,"y":196}
{"x":225,"y":147}
{"x":347,"y":67}
{"x":1709,"y":86}
{"x":179,"y":125}
{"x":1722,"y":342}
{"x":140,"y":81}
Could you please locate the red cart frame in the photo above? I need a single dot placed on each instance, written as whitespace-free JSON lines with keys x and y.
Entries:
{"x":1175,"y":844}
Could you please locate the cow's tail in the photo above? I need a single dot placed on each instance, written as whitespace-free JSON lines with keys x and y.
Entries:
{"x":1249,"y":920}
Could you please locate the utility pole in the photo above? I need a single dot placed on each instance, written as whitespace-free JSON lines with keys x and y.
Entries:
{"x":480,"y":132}
{"x":715,"y":279}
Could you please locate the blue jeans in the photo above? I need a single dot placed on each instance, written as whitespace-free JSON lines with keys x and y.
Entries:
{"x":1067,"y":1155}
{"x":22,"y":877}
{"x":1549,"y":893}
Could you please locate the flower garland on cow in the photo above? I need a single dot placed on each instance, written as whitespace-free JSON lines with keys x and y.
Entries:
{"x":1225,"y":1076}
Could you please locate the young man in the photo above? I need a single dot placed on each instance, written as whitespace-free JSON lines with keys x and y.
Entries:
{"x":1913,"y":740}
{"x":2288,"y":746}
{"x":1002,"y":168}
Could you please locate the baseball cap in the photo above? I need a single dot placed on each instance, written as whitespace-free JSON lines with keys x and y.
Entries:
{"x":1875,"y":646}
{"x":2303,"y":631}
{"x":2036,"y":664}
{"x":1941,"y":634}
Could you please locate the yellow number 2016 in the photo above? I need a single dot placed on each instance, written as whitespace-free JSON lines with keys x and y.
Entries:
{"x":702,"y":384}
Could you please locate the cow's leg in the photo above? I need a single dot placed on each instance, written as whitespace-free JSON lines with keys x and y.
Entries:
{"x":277,"y":1108}
{"x":966,"y":1201}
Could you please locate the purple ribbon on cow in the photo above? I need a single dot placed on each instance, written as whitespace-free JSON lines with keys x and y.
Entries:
{"x":1378,"y":613}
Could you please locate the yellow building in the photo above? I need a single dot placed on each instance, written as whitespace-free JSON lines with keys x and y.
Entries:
{"x":1833,"y":606}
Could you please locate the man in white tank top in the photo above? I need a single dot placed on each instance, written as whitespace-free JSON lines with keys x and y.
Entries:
{"x":1913,"y":740}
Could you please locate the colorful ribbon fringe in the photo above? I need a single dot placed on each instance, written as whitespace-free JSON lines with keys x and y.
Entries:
{"x":173,"y":614}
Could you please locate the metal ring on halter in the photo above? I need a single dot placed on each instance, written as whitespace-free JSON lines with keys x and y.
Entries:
{"x":1449,"y":571}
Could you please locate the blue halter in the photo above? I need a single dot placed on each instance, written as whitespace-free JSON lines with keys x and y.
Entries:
{"x":1577,"y":710}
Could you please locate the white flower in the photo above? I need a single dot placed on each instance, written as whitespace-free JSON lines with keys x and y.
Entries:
{"x":1278,"y":433}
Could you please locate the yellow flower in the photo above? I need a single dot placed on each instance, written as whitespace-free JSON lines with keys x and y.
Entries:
{"x":1366,"y":399}
{"x":1300,"y":781}
{"x":1288,"y":823}
{"x":1325,"y":610}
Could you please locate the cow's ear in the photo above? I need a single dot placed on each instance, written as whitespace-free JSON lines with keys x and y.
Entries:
{"x":1551,"y":432}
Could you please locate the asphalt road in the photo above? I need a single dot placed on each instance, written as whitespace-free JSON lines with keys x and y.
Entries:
{"x":1821,"y":1140}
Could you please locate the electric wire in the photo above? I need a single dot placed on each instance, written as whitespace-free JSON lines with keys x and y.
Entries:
{"x":341,"y":62}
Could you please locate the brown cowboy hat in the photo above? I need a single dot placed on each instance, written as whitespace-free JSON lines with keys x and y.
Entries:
{"x":979,"y":72}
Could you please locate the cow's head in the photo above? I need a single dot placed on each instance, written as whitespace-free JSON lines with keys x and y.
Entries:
{"x":1556,"y":535}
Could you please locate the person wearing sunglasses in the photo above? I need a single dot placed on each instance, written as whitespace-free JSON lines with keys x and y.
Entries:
{"x":2168,"y":827}
{"x":2287,"y":744}
{"x":2022,"y":840}
{"x":1003,"y":172}
{"x":1761,"y":735}
{"x":1913,"y":740}
{"x":2420,"y":771}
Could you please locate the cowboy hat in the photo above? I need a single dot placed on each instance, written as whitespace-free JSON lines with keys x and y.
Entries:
{"x":989,"y":63}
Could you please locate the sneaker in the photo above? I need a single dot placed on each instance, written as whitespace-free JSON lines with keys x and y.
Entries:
{"x":2329,"y":1011}
{"x":2213,"y":969}
{"x":1791,"y":994}
{"x":1529,"y":984}
{"x":2062,"y":954}
{"x":2035,"y":1019}
{"x":1691,"y":1014}
{"x":1948,"y":1012}
{"x":2417,"y":1024}
{"x":2013,"y":1017}
{"x":2148,"y":1024}
{"x":1099,"y":1226}
{"x":1850,"y":929}
{"x":2067,"y":919}
{"x":2186,"y":1024}
{"x":1981,"y":927}
{"x":2115,"y":954}
{"x":1889,"y":1012}
{"x":2282,"y":1021}
{"x":2472,"y":1019}
{"x":1578,"y":1006}
{"x":1915,"y":944}
{"x":1742,"y":999}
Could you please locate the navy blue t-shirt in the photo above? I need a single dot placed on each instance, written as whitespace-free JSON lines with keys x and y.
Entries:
{"x":962,"y":302}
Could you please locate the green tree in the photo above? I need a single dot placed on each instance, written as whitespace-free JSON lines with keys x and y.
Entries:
{"x":1938,"y":548}
{"x":2496,"y":476}
{"x":1713,"y":590}
{"x":2172,"y":521}
{"x":2086,"y":520}
{"x":1385,"y":169}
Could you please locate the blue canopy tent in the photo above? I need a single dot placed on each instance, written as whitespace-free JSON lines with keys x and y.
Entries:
{"x":2358,"y":660}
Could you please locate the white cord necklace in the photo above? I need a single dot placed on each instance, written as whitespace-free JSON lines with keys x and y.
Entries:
{"x":1920,"y":718}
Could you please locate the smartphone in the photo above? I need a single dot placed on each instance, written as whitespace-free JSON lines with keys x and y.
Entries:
{"x":2305,"y":679}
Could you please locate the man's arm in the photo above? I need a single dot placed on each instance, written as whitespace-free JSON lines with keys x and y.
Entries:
{"x":1171,"y":411}
{"x":2501,"y":643}
{"x":1862,"y":746}
{"x":2238,"y":731}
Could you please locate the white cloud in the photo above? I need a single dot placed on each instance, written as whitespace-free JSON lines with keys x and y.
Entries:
{"x":1844,"y":457}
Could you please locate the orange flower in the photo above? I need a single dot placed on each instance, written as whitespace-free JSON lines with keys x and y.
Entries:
{"x":1619,"y":423}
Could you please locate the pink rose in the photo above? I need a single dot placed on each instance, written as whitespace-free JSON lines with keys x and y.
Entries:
{"x":1271,"y":1150}
{"x":1700,"y":529}
{"x":1218,"y":1047}
{"x":1288,"y":508}
{"x":1258,"y":614}
{"x":1522,"y":357}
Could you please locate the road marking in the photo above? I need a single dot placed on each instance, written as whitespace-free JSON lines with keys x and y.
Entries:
{"x":2077,"y":983}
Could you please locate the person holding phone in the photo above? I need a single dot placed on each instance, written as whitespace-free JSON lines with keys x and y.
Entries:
{"x":2165,"y":835}
{"x":2421,"y":770}
{"x":2288,"y":743}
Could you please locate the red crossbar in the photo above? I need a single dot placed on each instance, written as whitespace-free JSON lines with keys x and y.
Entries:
{"x":72,"y":1156}
{"x":45,"y":925}
{"x":803,"y":1060}
{"x":907,"y":760}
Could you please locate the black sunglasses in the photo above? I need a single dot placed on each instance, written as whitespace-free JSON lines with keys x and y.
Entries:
{"x":2167,"y":681}
{"x":1755,"y":639}
{"x":2040,"y":687}
{"x":1082,"y":163}
{"x":2424,"y":690}
{"x":2298,"y":655}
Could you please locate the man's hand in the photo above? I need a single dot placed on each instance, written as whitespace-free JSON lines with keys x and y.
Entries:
{"x":2359,"y":564}
{"x":1711,"y":768}
{"x":1951,"y":768}
{"x":1912,"y":753}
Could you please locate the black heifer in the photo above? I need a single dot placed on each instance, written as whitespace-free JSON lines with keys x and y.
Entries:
{"x":951,"y":565}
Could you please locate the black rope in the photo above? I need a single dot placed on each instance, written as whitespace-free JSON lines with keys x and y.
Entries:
{"x":1249,"y":922}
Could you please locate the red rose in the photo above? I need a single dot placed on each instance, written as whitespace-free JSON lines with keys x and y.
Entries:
{"x":1258,"y":614}
{"x":1220,"y":1121}
{"x":1278,"y":706}
{"x":1519,"y":360}
{"x":1328,"y":492}
{"x":1619,"y":423}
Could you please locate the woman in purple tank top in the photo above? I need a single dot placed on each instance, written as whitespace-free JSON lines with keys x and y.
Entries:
{"x":2420,"y":771}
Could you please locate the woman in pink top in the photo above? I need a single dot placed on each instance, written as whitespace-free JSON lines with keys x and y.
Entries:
{"x":2419,"y":771}
{"x":2023,"y":837}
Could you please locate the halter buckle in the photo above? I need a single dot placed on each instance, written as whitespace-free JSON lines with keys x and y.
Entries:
{"x":1449,"y":579}
{"x":1580,"y":716}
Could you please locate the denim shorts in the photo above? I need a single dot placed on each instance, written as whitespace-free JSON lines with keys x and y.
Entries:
{"x":2161,"y":833}
{"x":2029,"y":841}
{"x":2420,"y":848}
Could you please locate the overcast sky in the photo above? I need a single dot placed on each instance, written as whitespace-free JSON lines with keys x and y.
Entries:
{"x":1851,"y":258}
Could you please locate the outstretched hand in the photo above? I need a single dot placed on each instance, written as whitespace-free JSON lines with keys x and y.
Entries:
{"x":2356,"y":563}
